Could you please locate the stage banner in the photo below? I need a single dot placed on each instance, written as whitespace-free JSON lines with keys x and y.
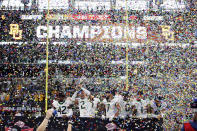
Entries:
{"x":18,"y":27}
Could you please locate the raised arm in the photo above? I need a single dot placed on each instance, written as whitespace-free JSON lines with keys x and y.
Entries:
{"x":74,"y":96}
{"x":44,"y":124}
{"x":87,"y":92}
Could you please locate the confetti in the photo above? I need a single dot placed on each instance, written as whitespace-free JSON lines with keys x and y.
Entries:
{"x":149,"y":49}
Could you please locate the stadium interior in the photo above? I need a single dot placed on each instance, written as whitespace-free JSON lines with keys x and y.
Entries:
{"x":141,"y":49}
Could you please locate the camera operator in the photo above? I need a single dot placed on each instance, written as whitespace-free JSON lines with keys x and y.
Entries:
{"x":192,"y":125}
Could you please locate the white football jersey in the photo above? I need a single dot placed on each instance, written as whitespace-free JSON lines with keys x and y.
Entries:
{"x":93,"y":106}
{"x":141,"y":106}
{"x":62,"y":107}
{"x":110,"y":107}
{"x":125,"y":109}
{"x":158,"y":109}
{"x":119,"y":97}
{"x":144,"y":104}
{"x":85,"y":107}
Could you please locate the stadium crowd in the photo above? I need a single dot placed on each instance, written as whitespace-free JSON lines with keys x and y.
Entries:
{"x":167,"y":71}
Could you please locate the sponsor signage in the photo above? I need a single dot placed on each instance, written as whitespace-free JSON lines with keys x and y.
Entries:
{"x":53,"y":4}
{"x":132,"y":17}
{"x":173,"y":5}
{"x":153,"y":18}
{"x":78,"y":17}
{"x":19,"y":108}
{"x":132,"y":4}
{"x":31,"y":17}
{"x":183,"y":45}
{"x":92,"y":5}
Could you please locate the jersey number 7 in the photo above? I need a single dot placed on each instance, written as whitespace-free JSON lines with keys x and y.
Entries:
{"x":108,"y":105}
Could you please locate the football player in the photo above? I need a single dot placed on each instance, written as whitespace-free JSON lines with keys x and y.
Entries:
{"x":159,"y":106}
{"x":112,"y":105}
{"x":86,"y":102}
{"x":125,"y":105}
{"x":63,"y":105}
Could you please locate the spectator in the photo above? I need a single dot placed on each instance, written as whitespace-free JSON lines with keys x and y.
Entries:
{"x":44,"y":124}
{"x":192,"y":125}
{"x":49,"y":114}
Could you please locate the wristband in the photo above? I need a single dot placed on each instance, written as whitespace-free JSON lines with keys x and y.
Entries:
{"x":54,"y":113}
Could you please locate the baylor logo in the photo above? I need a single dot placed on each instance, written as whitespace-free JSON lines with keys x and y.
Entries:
{"x":14,"y":30}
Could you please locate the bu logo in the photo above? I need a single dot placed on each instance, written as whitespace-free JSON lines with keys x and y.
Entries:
{"x":14,"y":30}
{"x":167,"y":32}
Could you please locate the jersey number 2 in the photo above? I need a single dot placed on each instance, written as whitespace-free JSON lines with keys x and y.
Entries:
{"x":82,"y":105}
